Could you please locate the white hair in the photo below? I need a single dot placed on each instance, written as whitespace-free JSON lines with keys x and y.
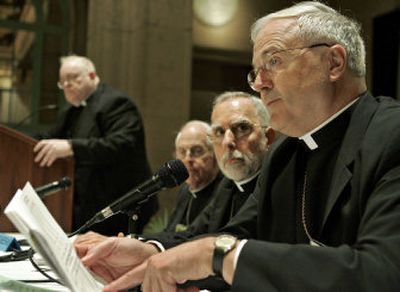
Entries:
{"x":84,"y":61}
{"x":319,"y":23}
{"x":202,"y":126}
{"x":261,"y":110}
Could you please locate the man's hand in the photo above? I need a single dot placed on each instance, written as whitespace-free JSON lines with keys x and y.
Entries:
{"x":50,"y":150}
{"x":188,"y":261}
{"x":163,"y":271}
{"x":115,"y":256}
{"x":83,"y":242}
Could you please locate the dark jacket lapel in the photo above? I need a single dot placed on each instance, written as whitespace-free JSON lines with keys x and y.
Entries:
{"x":342,"y":174}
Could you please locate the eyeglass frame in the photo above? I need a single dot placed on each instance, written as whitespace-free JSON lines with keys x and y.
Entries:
{"x":69,"y":80}
{"x":180,"y":155}
{"x":218,"y":139}
{"x":267,"y":66}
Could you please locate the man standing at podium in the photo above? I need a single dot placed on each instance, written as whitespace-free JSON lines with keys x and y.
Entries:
{"x":102,"y":130}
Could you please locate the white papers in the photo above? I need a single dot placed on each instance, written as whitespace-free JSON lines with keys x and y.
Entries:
{"x":21,"y":270}
{"x":31,"y":217}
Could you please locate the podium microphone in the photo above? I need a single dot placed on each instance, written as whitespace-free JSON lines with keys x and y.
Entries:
{"x":40,"y":109}
{"x":171,"y":174}
{"x":53,"y":187}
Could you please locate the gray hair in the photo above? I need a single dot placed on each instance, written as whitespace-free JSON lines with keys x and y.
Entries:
{"x":206,"y":127}
{"x":262,"y":112}
{"x":84,"y":61}
{"x":318,"y":22}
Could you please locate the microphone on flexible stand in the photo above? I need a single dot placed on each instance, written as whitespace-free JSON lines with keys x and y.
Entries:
{"x":53,"y":187}
{"x":39,"y":110}
{"x":171,"y":174}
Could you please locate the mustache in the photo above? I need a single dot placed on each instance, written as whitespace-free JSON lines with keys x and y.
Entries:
{"x":235,"y":154}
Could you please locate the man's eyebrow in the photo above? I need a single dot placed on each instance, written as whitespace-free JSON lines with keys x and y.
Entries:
{"x":267,"y":52}
{"x":216,"y":126}
{"x":271,"y":51}
{"x":240,"y":120}
{"x":232,"y":122}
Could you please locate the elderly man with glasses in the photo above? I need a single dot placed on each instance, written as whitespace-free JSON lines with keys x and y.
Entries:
{"x":102,"y":129}
{"x":240,"y":137}
{"x":194,"y":147}
{"x":325,"y":215}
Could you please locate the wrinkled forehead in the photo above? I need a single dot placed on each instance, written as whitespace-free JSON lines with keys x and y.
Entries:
{"x":232,"y":111}
{"x":191,"y":136}
{"x":276,"y":34}
{"x":72,"y":67}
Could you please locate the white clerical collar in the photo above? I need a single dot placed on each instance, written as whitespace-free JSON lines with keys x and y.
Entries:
{"x":309,"y":140}
{"x":194,"y":191}
{"x":239,"y":184}
{"x":83,"y":103}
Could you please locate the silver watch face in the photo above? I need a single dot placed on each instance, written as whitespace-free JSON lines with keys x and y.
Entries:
{"x":225,"y":242}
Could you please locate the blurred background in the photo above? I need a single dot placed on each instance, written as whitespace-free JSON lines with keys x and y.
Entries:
{"x":171,"y":56}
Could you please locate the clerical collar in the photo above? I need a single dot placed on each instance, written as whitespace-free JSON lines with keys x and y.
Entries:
{"x":85,"y":101}
{"x":309,"y":140}
{"x":195,"y":191}
{"x":240,"y":184}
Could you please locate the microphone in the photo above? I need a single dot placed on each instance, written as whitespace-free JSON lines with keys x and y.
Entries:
{"x":171,"y":174}
{"x":53,"y":187}
{"x":40,"y":109}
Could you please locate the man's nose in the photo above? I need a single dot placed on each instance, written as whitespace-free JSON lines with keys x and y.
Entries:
{"x":263,"y":81}
{"x":229,"y":139}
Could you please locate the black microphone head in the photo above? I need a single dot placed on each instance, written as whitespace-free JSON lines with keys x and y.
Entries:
{"x":172,"y":173}
{"x":65,"y":182}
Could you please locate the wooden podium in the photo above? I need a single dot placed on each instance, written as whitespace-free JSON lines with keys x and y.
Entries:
{"x":17,"y":166}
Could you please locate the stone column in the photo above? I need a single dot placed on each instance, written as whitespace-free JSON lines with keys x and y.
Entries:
{"x":143,"y":47}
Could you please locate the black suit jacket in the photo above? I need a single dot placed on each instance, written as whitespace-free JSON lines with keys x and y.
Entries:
{"x":108,"y":141}
{"x":186,"y":200}
{"x":215,"y":215}
{"x":360,"y":224}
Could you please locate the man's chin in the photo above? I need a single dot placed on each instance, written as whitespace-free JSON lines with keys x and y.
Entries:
{"x":234,"y":172}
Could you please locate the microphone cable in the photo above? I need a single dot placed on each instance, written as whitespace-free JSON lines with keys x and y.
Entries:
{"x":20,"y":255}
{"x":40,"y":270}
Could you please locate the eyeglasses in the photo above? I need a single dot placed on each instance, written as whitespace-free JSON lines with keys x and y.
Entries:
{"x":272,"y":62}
{"x":239,"y":130}
{"x":69,"y":79}
{"x":195,"y":151}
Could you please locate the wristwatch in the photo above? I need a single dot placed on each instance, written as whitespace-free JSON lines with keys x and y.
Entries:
{"x":222,"y":245}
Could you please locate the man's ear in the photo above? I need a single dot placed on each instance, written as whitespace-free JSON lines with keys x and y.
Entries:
{"x":92,"y":75}
{"x":270,"y":135}
{"x":337,"y":61}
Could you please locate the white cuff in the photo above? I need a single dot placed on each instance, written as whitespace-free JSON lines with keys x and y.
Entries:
{"x":237,"y":252}
{"x":158,"y":245}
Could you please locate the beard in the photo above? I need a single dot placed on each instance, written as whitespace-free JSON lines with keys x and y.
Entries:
{"x":244,"y":166}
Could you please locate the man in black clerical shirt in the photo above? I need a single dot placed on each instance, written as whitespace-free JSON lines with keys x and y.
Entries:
{"x":194,"y":147}
{"x":241,"y":136}
{"x":102,"y":129}
{"x":325,"y":214}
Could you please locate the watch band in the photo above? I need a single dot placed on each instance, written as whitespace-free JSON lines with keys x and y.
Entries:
{"x":222,"y":245}
{"x":218,"y":260}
